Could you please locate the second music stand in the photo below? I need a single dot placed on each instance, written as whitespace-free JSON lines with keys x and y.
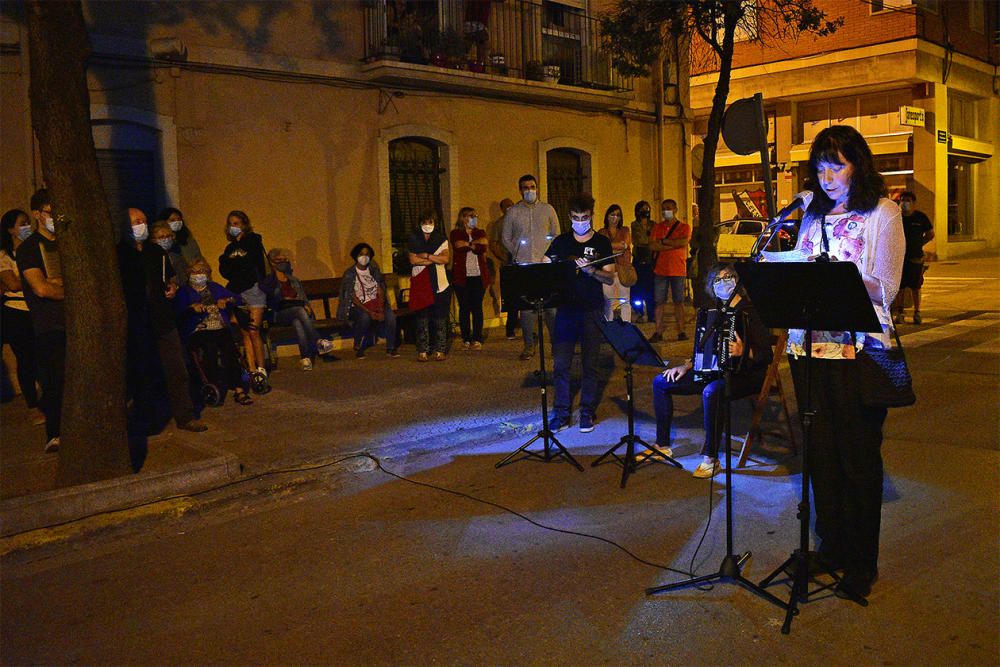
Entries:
{"x":628,"y":343}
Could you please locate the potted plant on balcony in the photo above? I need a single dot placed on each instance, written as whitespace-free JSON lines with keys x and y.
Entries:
{"x":551,"y":73}
{"x":454,"y":47}
{"x":409,"y":36}
{"x":498,"y":64}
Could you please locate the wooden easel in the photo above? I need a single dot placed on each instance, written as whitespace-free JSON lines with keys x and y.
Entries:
{"x":772,"y":384}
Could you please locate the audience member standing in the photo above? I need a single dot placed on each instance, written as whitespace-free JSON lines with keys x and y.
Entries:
{"x":242,"y":263}
{"x":528,"y":228}
{"x":41,"y":280}
{"x":153,"y":345}
{"x":617,"y":297}
{"x":470,"y":276}
{"x":163,"y":236}
{"x":643,"y":258}
{"x":430,"y":293}
{"x":670,"y":238}
{"x":501,"y":257}
{"x":15,"y":329}
{"x":184,"y":241}
{"x":919,"y":232}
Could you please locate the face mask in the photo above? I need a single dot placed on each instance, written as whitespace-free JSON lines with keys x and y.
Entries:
{"x":581,"y":227}
{"x":50,"y":224}
{"x":176,"y":225}
{"x":166,"y":244}
{"x":284,"y":267}
{"x":427,"y":229}
{"x":364,"y":259}
{"x":24,"y":232}
{"x":530,"y":196}
{"x":668,"y":215}
{"x":198,"y":280}
{"x":235,"y":231}
{"x":644,"y":213}
{"x":906,"y":206}
{"x":140,"y":232}
{"x":473,"y":221}
{"x":724,"y":288}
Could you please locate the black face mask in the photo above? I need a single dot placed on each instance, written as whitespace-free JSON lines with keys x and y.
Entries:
{"x":284,"y":267}
{"x":644,"y":213}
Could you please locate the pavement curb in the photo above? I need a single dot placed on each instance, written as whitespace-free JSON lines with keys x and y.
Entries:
{"x":50,"y":508}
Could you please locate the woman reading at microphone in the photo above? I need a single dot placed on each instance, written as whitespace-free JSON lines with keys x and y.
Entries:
{"x":850,"y":219}
{"x":577,"y":314}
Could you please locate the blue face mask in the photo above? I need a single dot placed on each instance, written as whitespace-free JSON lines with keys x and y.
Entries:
{"x":140,"y":232}
{"x":473,"y":221}
{"x":198,"y":280}
{"x":724,"y":288}
{"x":235,"y":231}
{"x":24,"y":232}
{"x":166,"y":244}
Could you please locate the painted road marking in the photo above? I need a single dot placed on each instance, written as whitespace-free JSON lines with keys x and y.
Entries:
{"x":952,"y":330}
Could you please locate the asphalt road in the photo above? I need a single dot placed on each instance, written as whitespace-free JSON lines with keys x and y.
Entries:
{"x":345,"y":564}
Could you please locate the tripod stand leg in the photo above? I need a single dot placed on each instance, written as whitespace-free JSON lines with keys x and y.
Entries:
{"x":522,"y":449}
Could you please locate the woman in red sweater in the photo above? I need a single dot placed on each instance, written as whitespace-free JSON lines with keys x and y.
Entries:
{"x":470,"y":276}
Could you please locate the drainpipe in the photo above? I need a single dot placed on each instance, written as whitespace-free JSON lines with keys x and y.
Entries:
{"x":660,"y":168}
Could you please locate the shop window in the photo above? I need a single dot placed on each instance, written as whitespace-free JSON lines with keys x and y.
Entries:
{"x":960,"y":214}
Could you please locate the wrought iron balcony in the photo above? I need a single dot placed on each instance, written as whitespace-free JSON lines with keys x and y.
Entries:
{"x":515,"y":39}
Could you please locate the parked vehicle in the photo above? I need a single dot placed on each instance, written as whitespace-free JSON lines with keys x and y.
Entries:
{"x":737,"y":238}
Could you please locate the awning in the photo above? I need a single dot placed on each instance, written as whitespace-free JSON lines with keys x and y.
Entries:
{"x":970,"y":149}
{"x":730,"y":159}
{"x":881,"y":144}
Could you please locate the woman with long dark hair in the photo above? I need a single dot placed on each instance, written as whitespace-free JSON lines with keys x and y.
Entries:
{"x":15,"y":329}
{"x":242,"y":263}
{"x":430,"y":293}
{"x":470,"y":276}
{"x":850,"y":219}
{"x":184,"y":241}
{"x":617,"y":296}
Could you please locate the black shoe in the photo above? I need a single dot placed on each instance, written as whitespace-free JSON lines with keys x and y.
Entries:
{"x":195,"y":426}
{"x":586,"y":423}
{"x":526,"y":355}
{"x":855,"y":586}
{"x":682,"y":336}
{"x":557,"y":424}
{"x":655,"y":338}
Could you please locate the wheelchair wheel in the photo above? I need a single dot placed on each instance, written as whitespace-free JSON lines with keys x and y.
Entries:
{"x":212,"y":395}
{"x":259,"y":383}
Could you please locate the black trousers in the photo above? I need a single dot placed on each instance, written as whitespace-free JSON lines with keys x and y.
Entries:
{"x":470,"y":309}
{"x":50,"y":348}
{"x":845,"y":462}
{"x":154,"y":359}
{"x":16,"y":331}
{"x":216,"y":346}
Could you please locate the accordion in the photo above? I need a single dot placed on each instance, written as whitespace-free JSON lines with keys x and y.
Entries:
{"x":712,"y":335}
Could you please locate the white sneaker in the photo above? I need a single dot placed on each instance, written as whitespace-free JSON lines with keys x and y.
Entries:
{"x":324,"y":346}
{"x":52,"y":445}
{"x":706,"y":469}
{"x":307,"y":364}
{"x":262,"y":371}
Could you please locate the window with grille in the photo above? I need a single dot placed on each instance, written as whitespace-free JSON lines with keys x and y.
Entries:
{"x":414,"y":184}
{"x":568,"y":174}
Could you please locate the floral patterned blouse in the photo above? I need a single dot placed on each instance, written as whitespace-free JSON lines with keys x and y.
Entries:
{"x":874,"y":241}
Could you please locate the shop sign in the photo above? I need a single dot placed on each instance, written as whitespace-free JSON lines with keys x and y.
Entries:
{"x":913,"y":116}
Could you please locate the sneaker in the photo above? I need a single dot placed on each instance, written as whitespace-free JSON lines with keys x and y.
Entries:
{"x":466,"y":345}
{"x":706,"y":469}
{"x":324,"y":346}
{"x":526,"y":355}
{"x":52,"y":445}
{"x":195,"y":426}
{"x":36,"y":416}
{"x":262,"y":371}
{"x":440,"y":356}
{"x":557,"y":424}
{"x":306,"y":364}
{"x":423,"y":357}
{"x":917,"y":319}
{"x":359,"y":353}
{"x":655,"y":338}
{"x":682,"y":336}
{"x":586,"y":423}
{"x":647,"y":453}
{"x":476,"y":345}
{"x":898,"y":318}
{"x":512,"y":337}
{"x":394,"y":353}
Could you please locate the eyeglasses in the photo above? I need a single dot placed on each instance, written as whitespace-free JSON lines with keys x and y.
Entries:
{"x":723,"y":277}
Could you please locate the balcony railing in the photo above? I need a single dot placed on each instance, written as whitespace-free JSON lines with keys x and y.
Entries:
{"x":521,"y":39}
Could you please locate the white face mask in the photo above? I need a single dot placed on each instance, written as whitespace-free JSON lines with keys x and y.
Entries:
{"x":724,"y":288}
{"x":581,"y":227}
{"x":176,"y":225}
{"x":364,"y":259}
{"x":198,"y":280}
{"x":235,"y":231}
{"x":50,"y":224}
{"x":427,"y":229}
{"x":473,"y":221}
{"x":529,"y":196}
{"x":166,"y":244}
{"x":140,"y":232}
{"x":24,"y":232}
{"x":668,"y":215}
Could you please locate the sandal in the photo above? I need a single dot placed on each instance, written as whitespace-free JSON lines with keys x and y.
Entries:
{"x":243,"y":398}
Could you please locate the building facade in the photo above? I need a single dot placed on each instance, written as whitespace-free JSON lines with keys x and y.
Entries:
{"x":918,"y":78}
{"x":332,"y":123}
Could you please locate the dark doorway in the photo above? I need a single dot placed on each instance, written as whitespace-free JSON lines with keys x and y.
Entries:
{"x":414,"y":185}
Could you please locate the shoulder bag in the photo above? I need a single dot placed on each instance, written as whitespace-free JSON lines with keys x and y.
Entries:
{"x":884,"y":377}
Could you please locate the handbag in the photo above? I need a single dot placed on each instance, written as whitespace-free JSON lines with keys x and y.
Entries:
{"x":627,"y":275}
{"x":884,"y":377}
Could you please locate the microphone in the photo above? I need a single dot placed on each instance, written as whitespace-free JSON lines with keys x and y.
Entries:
{"x":799,"y":201}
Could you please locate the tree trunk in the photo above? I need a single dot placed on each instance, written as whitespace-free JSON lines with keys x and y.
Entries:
{"x":93,"y":433}
{"x":707,"y":235}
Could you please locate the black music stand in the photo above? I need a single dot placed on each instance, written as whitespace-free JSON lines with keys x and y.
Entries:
{"x":730,"y":567}
{"x":539,"y":286}
{"x":628,"y":343}
{"x":814,"y":296}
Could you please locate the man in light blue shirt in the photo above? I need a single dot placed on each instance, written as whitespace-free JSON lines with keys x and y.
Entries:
{"x":528,"y":228}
